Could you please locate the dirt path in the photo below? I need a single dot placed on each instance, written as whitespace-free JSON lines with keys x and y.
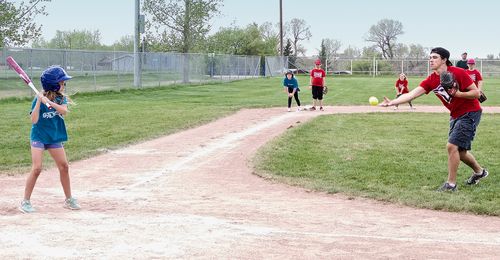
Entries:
{"x":193,"y":195}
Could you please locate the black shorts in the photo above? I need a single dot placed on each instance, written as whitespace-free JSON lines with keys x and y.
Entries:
{"x":317,"y":92}
{"x":463,"y":130}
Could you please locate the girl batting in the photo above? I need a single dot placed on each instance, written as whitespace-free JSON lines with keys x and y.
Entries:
{"x":48,"y":132}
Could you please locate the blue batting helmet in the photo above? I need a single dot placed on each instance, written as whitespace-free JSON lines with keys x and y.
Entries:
{"x":52,"y":76}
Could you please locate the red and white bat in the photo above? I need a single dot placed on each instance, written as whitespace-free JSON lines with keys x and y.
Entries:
{"x":13,"y":64}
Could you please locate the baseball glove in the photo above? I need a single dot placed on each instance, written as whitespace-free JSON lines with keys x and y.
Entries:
{"x":448,"y":83}
{"x":482,"y":98}
{"x":325,"y":90}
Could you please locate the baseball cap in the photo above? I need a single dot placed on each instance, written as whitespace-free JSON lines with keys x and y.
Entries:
{"x":471,"y":61}
{"x":444,"y":53}
{"x":317,"y":62}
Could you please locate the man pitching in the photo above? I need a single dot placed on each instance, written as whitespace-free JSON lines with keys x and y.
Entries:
{"x":458,"y":93}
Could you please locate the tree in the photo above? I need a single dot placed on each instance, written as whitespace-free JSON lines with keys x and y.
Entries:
{"x":270,"y":35}
{"x":16,"y":22}
{"x":417,"y":51}
{"x":126,"y":43}
{"x":352,"y":52}
{"x":250,"y":40}
{"x":287,"y":50}
{"x":331,"y":46}
{"x":76,"y":39}
{"x":179,"y":25}
{"x":490,"y":57}
{"x":384,"y":34}
{"x":400,"y":51}
{"x":322,"y":52}
{"x":299,"y":31}
{"x":370,"y":52}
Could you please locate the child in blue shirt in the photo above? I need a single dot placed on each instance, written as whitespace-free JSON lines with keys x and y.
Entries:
{"x":48,"y":132}
{"x":291,"y":88}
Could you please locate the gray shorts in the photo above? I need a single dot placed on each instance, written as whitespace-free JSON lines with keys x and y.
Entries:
{"x":463,"y":130}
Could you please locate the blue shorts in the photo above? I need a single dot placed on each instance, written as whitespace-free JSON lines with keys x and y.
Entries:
{"x":37,"y":144}
{"x":463,"y":129}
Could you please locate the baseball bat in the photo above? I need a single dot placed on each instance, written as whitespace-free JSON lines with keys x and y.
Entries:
{"x":13,"y":64}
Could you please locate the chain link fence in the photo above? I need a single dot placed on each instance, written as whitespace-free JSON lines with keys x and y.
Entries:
{"x":378,"y":67}
{"x":101,"y":70}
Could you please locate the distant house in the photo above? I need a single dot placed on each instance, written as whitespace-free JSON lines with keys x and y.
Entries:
{"x":124,"y":63}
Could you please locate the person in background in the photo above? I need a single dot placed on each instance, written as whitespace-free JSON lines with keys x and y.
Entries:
{"x":316,"y":84}
{"x":463,"y":62}
{"x":291,"y":88}
{"x":475,"y":75}
{"x":402,"y":88}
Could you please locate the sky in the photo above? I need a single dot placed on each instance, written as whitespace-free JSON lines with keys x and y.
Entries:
{"x":456,"y":25}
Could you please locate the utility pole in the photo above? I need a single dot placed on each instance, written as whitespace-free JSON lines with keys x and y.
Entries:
{"x":137,"y":36}
{"x":281,"y":27}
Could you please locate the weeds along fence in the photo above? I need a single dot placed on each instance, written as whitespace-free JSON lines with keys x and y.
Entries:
{"x":100,"y":70}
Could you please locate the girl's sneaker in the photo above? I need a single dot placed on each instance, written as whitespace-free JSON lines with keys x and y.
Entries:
{"x":26,"y":207}
{"x":71,"y":203}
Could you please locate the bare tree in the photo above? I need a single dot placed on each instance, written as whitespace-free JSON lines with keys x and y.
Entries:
{"x":384,"y":34}
{"x":417,"y":51}
{"x":332,"y":47}
{"x":299,"y":31}
{"x":400,"y":51}
{"x":351,"y":52}
{"x":328,"y":51}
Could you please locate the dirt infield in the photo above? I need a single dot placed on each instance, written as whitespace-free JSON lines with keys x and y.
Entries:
{"x":193,"y":195}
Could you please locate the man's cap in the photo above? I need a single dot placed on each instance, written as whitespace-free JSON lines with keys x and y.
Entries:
{"x":444,"y":53}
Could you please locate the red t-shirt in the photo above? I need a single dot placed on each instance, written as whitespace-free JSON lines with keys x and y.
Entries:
{"x":475,"y":76}
{"x":317,"y":76}
{"x":457,"y":106}
{"x":402,"y":86}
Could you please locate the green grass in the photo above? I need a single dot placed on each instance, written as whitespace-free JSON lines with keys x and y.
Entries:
{"x":107,"y":120}
{"x":363,"y":162}
{"x":399,"y":158}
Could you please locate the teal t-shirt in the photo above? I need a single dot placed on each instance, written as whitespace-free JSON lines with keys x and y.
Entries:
{"x":50,"y":128}
{"x":291,"y":83}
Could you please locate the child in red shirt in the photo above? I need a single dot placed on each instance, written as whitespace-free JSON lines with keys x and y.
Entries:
{"x":475,"y":75}
{"x":317,"y":83}
{"x":402,"y":88}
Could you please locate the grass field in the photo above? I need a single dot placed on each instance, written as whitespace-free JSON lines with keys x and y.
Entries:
{"x":399,"y":158}
{"x":356,"y":163}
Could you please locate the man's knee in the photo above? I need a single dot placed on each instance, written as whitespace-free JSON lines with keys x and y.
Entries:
{"x":452,"y":148}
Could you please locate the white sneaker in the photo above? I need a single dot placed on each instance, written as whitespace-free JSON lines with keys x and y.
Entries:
{"x":289,"y":110}
{"x":299,"y":109}
{"x":71,"y":203}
